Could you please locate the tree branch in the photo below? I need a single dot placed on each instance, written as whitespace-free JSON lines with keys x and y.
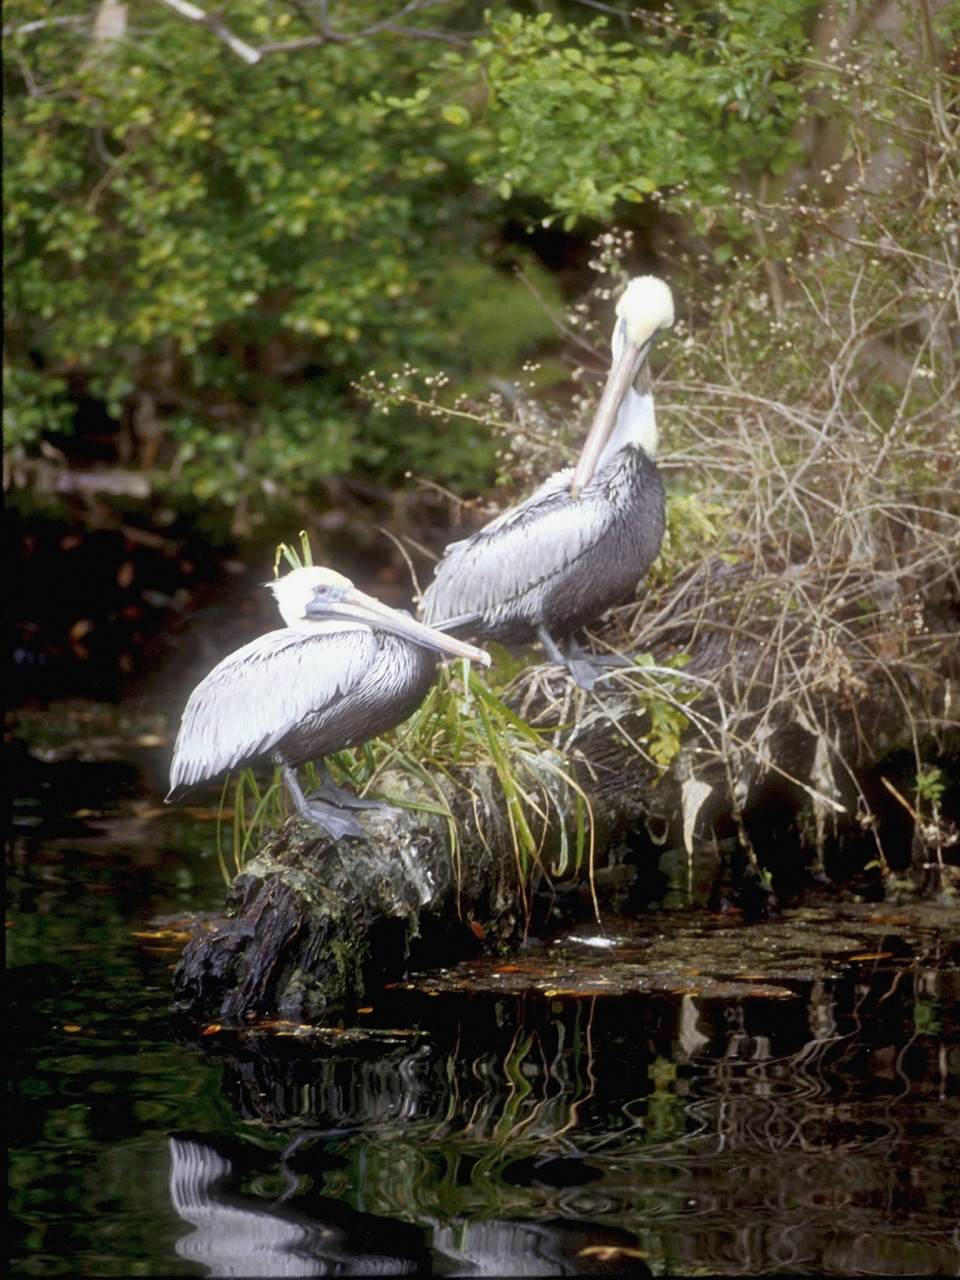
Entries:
{"x":319,"y":20}
{"x":189,"y":11}
{"x":28,"y":28}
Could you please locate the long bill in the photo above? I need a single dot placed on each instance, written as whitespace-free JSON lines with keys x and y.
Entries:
{"x":622,"y":375}
{"x":357,"y":606}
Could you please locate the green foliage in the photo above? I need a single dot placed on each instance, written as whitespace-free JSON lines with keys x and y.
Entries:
{"x":663,"y":696}
{"x":667,"y":723}
{"x":245,"y":240}
{"x":581,"y":117}
{"x":693,"y":526}
{"x":491,"y":317}
{"x":242,"y":243}
{"x":931,"y":785}
{"x":35,"y":403}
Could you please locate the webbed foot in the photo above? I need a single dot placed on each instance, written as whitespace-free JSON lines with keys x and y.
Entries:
{"x":337,"y":822}
{"x":319,"y":809}
{"x":329,"y":793}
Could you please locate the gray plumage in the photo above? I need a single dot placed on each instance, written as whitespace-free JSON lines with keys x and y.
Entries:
{"x":554,"y":561}
{"x":585,"y":538}
{"x":344,"y":669}
{"x":297,"y":695}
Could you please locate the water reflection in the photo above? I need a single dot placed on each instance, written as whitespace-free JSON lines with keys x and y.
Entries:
{"x":235,"y":1235}
{"x":304,"y":1235}
{"x":537,"y":1137}
{"x":807,"y":1120}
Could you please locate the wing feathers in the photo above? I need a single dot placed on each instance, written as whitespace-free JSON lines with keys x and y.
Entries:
{"x":515,"y":553}
{"x":254,"y":697}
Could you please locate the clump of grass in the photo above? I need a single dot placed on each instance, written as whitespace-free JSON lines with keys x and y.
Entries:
{"x":464,"y":731}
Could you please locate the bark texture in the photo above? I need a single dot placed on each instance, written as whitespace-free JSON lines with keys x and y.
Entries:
{"x":312,"y":923}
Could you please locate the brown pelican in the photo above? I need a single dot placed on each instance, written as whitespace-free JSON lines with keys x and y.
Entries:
{"x":584,"y":539}
{"x":344,"y":669}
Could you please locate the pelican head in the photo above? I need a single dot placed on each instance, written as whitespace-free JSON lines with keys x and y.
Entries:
{"x":295,"y":590}
{"x":314,"y":594}
{"x":644,"y":309}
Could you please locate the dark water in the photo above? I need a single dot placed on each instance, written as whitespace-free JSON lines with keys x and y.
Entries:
{"x":809,"y":1123}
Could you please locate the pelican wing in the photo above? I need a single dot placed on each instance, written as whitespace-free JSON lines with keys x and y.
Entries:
{"x":254,"y":697}
{"x":515,"y":553}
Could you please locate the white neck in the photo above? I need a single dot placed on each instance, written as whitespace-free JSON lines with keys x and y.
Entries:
{"x":636,"y":425}
{"x":636,"y":421}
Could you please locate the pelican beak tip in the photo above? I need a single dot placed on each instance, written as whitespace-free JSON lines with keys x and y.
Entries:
{"x":477,"y":655}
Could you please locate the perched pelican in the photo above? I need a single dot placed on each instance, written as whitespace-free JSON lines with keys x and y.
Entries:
{"x":343,"y":669}
{"x":584,"y":539}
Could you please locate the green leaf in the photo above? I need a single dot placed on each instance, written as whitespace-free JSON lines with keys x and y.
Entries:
{"x":455,"y":114}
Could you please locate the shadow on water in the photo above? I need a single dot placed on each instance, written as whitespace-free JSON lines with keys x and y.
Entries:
{"x":670,"y":1095}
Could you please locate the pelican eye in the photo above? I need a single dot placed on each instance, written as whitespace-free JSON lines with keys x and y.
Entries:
{"x":326,"y":594}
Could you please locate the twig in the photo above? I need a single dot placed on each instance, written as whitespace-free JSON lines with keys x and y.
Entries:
{"x":326,"y":34}
{"x":214,"y":24}
{"x":896,"y":794}
{"x":28,"y":28}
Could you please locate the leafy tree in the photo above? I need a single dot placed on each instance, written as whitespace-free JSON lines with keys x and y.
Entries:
{"x":237,"y":241}
{"x":213,"y":232}
{"x":582,"y":118}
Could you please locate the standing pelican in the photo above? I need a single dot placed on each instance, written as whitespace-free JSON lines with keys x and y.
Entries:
{"x":344,"y":669}
{"x":584,"y":539}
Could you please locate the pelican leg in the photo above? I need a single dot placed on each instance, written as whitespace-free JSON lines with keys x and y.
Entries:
{"x":583,"y":667}
{"x":332,"y":819}
{"x":330,"y":793}
{"x":550,"y":646}
{"x":597,"y":659}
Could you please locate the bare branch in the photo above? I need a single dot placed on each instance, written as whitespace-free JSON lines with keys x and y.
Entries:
{"x":33,"y":89}
{"x":28,"y":28}
{"x":381,"y":28}
{"x":189,"y":11}
{"x":316,"y":17}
